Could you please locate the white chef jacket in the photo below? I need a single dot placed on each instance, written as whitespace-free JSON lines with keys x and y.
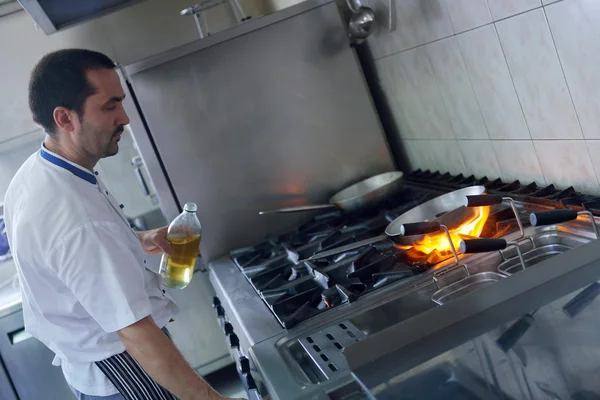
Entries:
{"x":80,"y":265}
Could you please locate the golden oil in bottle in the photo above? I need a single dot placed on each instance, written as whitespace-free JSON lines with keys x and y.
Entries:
{"x":184,"y":235}
{"x":180,"y":264}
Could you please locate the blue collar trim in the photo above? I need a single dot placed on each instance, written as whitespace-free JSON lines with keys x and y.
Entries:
{"x":86,"y":176}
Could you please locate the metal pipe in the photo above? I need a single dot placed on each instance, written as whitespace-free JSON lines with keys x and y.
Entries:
{"x":519,"y":254}
{"x":205,"y":23}
{"x":238,"y":10}
{"x":452,"y":248}
{"x":232,"y":11}
{"x":594,"y":226}
{"x":391,"y":15}
{"x":199,"y":25}
{"x":514,"y":209}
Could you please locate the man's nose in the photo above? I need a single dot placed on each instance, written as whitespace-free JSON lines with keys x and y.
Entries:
{"x":123,"y":118}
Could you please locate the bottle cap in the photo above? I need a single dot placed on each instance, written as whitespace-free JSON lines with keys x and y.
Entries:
{"x":190,"y":207}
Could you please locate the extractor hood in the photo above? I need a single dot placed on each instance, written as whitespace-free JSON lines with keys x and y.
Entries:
{"x":55,"y":15}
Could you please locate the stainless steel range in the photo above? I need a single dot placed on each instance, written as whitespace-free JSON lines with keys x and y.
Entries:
{"x":387,"y":320}
{"x":304,"y":327}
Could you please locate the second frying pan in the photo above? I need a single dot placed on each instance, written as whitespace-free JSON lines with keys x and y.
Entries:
{"x":360,"y":195}
{"x":447,"y":209}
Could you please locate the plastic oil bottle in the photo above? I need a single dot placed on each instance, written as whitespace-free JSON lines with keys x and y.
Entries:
{"x":184,"y":234}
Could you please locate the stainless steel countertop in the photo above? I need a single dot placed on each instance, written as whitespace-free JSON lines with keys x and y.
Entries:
{"x":244,"y":308}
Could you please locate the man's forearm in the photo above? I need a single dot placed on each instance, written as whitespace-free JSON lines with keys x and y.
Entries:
{"x":163,"y":362}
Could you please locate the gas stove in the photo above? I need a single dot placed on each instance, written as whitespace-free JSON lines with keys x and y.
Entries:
{"x":296,"y":290}
{"x":290,"y":321}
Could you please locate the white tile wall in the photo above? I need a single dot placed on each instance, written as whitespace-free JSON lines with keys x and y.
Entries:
{"x":449,"y":151}
{"x":419,"y":22}
{"x":518,"y":161}
{"x":506,"y":8}
{"x":575,"y":26}
{"x":520,"y":84}
{"x":428,"y":106}
{"x":538,"y":77}
{"x":566,"y":163}
{"x":456,"y":89}
{"x":492,"y":83}
{"x":468,"y":14}
{"x":479,"y":158}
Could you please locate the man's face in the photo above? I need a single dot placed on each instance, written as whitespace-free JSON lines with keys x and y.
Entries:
{"x":104,"y":117}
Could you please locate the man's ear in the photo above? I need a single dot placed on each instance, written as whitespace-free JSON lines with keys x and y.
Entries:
{"x":64,"y":119}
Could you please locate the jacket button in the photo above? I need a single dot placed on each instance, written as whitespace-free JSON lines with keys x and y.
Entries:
{"x":121,"y":206}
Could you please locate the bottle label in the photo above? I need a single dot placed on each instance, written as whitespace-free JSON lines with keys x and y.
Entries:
{"x":164,"y":260}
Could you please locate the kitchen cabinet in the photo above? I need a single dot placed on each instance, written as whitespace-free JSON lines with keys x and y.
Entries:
{"x":28,"y":365}
{"x":6,"y":389}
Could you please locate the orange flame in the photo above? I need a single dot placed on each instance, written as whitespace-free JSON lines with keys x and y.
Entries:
{"x":436,"y":245}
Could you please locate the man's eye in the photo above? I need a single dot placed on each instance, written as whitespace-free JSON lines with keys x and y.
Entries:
{"x":110,"y":108}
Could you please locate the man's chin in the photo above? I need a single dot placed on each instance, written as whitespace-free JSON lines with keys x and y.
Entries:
{"x":111,"y":151}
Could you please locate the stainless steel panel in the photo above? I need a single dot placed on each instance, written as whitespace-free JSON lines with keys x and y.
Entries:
{"x":223,"y":36}
{"x":251,"y":319}
{"x":398,"y":348}
{"x":6,"y":389}
{"x":280,"y":116}
{"x":29,"y":363}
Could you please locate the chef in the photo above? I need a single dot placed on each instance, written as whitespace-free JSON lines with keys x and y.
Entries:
{"x":86,"y":292}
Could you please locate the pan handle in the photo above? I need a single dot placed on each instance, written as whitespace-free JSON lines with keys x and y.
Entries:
{"x":482,"y":245}
{"x":580,"y":302}
{"x":299,"y":209}
{"x":482,"y":200}
{"x":508,"y":339}
{"x":552,"y":217}
{"x":419,"y":228}
{"x":346,"y":248}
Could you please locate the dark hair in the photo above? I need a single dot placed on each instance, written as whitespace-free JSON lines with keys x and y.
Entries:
{"x":59,"y":79}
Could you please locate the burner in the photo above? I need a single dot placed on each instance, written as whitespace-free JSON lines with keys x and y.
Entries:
{"x":296,"y":291}
{"x":296,"y":272}
{"x":331,"y":297}
{"x":334,"y":296}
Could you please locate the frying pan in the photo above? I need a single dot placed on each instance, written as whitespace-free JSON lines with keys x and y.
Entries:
{"x":360,"y":195}
{"x":447,"y":209}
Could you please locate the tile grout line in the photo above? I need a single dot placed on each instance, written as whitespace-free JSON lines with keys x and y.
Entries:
{"x":571,"y":97}
{"x":459,"y":33}
{"x":437,"y":84}
{"x":449,"y":17}
{"x":487,"y":3}
{"x":592,"y":161}
{"x":513,"y":81}
{"x":537,"y":156}
{"x":462,"y":56}
{"x":491,"y":143}
{"x":562,"y":69}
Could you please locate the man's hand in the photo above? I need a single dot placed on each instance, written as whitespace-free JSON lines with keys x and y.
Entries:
{"x":155,"y":241}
